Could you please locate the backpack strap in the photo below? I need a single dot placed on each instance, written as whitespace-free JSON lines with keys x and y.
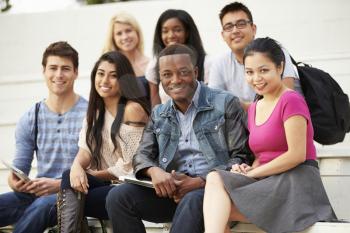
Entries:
{"x":298,"y":63}
{"x":293,"y":61}
{"x":37,"y":107}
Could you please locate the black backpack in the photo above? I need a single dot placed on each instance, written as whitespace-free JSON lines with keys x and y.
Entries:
{"x":328,"y":104}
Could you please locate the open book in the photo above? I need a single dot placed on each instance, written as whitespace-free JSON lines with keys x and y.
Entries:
{"x":133,"y":180}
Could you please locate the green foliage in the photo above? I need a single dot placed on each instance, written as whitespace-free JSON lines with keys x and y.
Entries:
{"x":5,"y":5}
{"x":91,"y":2}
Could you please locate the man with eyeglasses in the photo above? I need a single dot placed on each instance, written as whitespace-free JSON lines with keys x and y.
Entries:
{"x":227,"y":70}
{"x":198,"y":130}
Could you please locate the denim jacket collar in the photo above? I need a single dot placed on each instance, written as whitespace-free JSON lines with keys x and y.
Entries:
{"x":204,"y":102}
{"x":194,"y":98}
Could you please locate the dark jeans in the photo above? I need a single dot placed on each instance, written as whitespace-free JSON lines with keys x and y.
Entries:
{"x":29,"y":213}
{"x":127,"y":205}
{"x":95,"y":199}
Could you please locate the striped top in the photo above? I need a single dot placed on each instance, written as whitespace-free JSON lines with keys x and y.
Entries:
{"x":57,"y":140}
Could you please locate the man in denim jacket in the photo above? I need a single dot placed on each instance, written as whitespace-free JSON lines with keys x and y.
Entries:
{"x":198,"y":130}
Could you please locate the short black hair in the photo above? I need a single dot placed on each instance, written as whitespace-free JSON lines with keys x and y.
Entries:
{"x":177,"y":49}
{"x":234,"y":7}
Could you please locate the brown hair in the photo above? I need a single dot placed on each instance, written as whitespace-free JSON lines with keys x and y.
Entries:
{"x":61,"y":49}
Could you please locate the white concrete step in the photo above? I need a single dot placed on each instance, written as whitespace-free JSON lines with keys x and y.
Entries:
{"x":320,"y":227}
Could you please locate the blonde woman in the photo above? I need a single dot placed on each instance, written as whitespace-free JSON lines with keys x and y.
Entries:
{"x":125,"y":35}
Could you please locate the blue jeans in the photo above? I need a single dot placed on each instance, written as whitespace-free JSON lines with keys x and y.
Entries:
{"x":29,"y":213}
{"x":127,"y":205}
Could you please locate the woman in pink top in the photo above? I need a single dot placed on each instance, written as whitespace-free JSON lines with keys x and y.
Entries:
{"x":282,"y":191}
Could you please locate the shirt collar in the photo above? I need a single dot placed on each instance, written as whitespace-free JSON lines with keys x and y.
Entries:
{"x":195,"y":97}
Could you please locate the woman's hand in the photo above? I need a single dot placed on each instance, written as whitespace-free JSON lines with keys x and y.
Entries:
{"x":78,"y":178}
{"x":241,"y":168}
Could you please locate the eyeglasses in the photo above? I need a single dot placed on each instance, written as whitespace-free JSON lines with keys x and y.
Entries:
{"x":240,"y":24}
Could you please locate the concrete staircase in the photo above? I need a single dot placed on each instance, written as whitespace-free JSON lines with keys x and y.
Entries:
{"x":320,"y":38}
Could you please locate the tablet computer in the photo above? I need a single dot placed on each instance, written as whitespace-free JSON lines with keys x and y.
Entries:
{"x":20,"y":174}
{"x":133,"y":180}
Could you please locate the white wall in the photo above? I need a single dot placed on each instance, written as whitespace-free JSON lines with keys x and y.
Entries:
{"x":315,"y":31}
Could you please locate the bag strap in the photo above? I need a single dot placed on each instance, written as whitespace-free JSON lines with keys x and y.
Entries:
{"x":293,"y":61}
{"x":299,"y":63}
{"x":37,"y":107}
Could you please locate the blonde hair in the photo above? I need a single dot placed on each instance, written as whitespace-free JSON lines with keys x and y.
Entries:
{"x":123,"y":18}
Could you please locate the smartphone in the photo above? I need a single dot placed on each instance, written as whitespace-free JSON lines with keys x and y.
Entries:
{"x":20,"y":174}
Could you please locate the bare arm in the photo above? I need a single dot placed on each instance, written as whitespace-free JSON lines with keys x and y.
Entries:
{"x":102,"y":174}
{"x":245,"y":105}
{"x":295,"y":128}
{"x":154,"y":93}
{"x":135,"y":115}
{"x":78,"y":178}
{"x":288,"y":82}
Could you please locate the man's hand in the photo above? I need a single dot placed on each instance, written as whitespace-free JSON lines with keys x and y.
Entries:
{"x":43,"y":186}
{"x":163,"y":182}
{"x":18,"y":184}
{"x":185,"y":184}
{"x":78,"y":178}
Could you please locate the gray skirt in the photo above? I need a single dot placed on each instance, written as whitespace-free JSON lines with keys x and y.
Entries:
{"x":287,"y":202}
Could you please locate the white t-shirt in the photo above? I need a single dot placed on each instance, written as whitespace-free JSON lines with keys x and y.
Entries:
{"x":152,"y":76}
{"x":228,"y":74}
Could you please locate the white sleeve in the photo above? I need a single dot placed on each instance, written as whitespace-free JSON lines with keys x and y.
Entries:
{"x":150,"y":73}
{"x":289,"y":69}
{"x":207,"y":66}
{"x":216,"y":76}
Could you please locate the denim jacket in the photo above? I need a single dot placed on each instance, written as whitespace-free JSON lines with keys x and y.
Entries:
{"x":220,"y":128}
